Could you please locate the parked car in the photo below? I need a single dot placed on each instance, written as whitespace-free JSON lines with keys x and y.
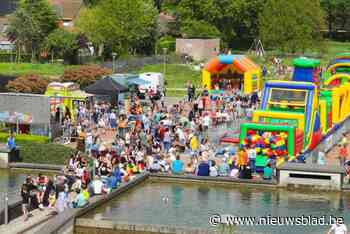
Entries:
{"x":155,"y":80}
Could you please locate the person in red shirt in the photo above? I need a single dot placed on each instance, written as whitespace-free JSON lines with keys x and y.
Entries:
{"x":161,"y":131}
{"x":343,"y":154}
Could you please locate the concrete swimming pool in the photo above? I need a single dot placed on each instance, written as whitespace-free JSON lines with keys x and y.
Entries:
{"x":191,"y":204}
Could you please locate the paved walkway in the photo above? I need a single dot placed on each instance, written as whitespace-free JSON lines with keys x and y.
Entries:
{"x":332,"y":157}
{"x":18,"y":226}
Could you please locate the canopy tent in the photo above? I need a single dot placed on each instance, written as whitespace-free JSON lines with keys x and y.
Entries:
{"x":106,"y":86}
{"x":233,"y":70}
{"x":129,"y":79}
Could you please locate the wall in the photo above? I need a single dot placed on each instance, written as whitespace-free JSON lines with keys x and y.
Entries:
{"x":90,"y":226}
{"x":198,"y":49}
{"x":334,"y":183}
{"x":36,"y":105}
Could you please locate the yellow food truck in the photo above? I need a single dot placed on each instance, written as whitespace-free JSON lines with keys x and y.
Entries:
{"x":67,"y":96}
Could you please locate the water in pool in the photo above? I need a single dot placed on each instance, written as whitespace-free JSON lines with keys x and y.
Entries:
{"x":190,"y":205}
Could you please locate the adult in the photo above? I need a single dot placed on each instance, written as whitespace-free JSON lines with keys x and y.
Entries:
{"x":252,"y":157}
{"x":177,"y":166}
{"x":203,"y":168}
{"x":97,"y":185}
{"x":11,"y":145}
{"x":338,"y":228}
{"x":343,"y":154}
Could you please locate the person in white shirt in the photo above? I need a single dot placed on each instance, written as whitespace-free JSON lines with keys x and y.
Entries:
{"x":97,"y":185}
{"x":252,"y":157}
{"x":213,"y":170}
{"x":338,"y":228}
{"x":88,"y":142}
{"x":206,"y":124}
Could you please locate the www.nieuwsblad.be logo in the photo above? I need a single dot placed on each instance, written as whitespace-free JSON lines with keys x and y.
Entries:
{"x":269,"y":220}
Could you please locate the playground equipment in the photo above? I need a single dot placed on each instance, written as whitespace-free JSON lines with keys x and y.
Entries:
{"x":300,"y":112}
{"x":235,"y":70}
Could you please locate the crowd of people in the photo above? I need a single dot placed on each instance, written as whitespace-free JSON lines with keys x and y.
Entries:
{"x":116,"y":144}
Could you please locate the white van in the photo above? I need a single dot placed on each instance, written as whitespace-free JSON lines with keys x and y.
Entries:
{"x":155,"y":79}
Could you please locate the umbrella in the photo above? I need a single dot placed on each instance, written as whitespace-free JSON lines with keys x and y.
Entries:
{"x":106,"y":86}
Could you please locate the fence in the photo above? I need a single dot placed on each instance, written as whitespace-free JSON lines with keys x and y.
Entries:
{"x":136,"y":63}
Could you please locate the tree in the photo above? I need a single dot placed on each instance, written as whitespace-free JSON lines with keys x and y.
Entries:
{"x":199,"y":29}
{"x":291,"y":25}
{"x":119,"y":24}
{"x":232,"y":19}
{"x":337,"y":14}
{"x":30,"y":24}
{"x":62,"y":43}
{"x":30,"y":83}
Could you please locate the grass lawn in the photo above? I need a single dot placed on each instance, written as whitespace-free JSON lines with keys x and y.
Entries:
{"x":44,"y":153}
{"x":25,"y":68}
{"x":176,"y":75}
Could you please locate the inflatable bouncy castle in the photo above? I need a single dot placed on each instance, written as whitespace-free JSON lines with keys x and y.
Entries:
{"x":234,"y":71}
{"x":295,"y":115}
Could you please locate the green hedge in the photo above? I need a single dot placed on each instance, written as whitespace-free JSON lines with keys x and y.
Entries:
{"x":24,"y":138}
{"x":44,"y":153}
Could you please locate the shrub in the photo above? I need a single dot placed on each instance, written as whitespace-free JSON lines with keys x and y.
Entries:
{"x":24,"y":138}
{"x":166,"y":42}
{"x":30,"y":83}
{"x":44,"y":153}
{"x":85,"y":75}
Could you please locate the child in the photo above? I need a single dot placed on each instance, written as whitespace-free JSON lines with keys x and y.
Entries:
{"x":52,"y":199}
{"x":25,"y":201}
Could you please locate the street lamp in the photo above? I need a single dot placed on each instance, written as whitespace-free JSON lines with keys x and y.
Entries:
{"x":164,"y":62}
{"x":114,"y":55}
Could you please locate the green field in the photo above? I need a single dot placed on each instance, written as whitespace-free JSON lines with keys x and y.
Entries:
{"x":15,"y":69}
{"x":176,"y":76}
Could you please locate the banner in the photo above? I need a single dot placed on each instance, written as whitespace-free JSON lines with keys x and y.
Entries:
{"x":14,"y":117}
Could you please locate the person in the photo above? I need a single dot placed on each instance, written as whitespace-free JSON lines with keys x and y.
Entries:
{"x":338,"y":228}
{"x":97,"y":185}
{"x":113,"y":120}
{"x":213,"y":170}
{"x":321,"y":158}
{"x":52,"y":199}
{"x":25,"y":201}
{"x":252,"y":157}
{"x":189,"y":169}
{"x":223,"y":169}
{"x":41,"y":185}
{"x":190,"y":92}
{"x":267,"y":172}
{"x":344,"y":140}
{"x":203,"y":169}
{"x":206,"y":124}
{"x":155,"y":167}
{"x":343,"y":154}
{"x":11,"y":145}
{"x":177,"y":166}
{"x":80,"y":200}
{"x":61,"y":202}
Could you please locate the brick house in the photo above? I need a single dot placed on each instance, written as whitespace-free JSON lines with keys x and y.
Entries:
{"x":198,"y":49}
{"x":67,"y":11}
